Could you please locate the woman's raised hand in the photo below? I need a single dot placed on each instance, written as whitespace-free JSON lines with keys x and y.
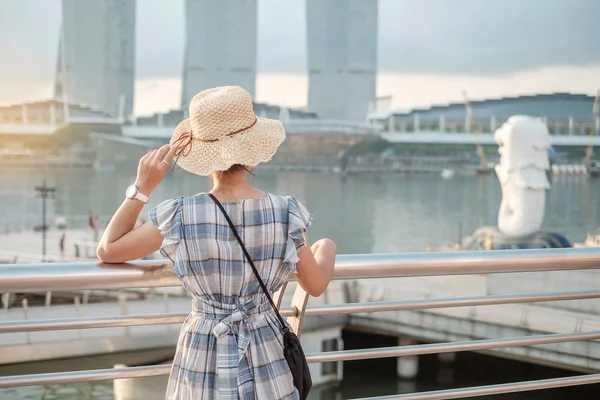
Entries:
{"x":153,"y":167}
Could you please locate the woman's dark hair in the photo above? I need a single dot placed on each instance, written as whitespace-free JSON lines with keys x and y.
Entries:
{"x":232,"y":170}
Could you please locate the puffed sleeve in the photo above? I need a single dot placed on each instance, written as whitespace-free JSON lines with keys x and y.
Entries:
{"x":299,"y":220}
{"x":167,"y":218}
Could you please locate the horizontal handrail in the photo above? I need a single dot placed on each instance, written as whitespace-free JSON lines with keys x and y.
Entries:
{"x":344,"y":355}
{"x":476,"y":391}
{"x":69,"y":276}
{"x":56,"y":378}
{"x":426,"y":304}
{"x":450,"y":347}
{"x":327,"y":309}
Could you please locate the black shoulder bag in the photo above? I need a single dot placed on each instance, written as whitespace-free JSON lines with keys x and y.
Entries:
{"x":292,"y":349}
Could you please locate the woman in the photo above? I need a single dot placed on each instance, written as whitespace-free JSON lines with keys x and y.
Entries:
{"x":230,"y":346}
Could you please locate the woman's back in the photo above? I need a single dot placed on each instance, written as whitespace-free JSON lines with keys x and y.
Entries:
{"x":232,"y":316}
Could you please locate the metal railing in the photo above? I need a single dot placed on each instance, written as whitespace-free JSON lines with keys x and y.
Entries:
{"x":70,"y":276}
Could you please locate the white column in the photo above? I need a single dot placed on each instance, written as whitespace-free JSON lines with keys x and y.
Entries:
{"x":407,"y":366}
{"x":160,"y":119}
{"x":442,"y":123}
{"x":392,"y":123}
{"x":417,"y":123}
{"x":467,"y":124}
{"x":492,"y":124}
{"x":570,"y":126}
{"x":597,"y":125}
{"x":53,"y":113}
{"x":24,"y":113}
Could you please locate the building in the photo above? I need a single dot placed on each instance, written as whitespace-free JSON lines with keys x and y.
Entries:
{"x":220,"y":46}
{"x":342,"y":57}
{"x":564,"y":113}
{"x":173,"y":117}
{"x":51,"y":124}
{"x":96,"y":57}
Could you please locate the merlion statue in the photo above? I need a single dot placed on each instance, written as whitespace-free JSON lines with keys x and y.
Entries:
{"x":524,"y":143}
{"x":522,"y":172}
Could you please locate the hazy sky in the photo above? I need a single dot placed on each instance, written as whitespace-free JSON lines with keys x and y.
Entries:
{"x":429,"y":50}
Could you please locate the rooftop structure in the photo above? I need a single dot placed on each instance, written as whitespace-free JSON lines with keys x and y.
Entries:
{"x":564,"y":113}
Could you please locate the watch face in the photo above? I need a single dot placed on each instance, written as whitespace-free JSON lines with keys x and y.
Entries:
{"x":131,"y":190}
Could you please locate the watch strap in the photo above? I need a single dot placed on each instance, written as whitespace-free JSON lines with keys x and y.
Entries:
{"x":141,"y":197}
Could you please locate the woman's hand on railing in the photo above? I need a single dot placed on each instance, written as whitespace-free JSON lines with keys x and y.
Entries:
{"x":316,"y":266}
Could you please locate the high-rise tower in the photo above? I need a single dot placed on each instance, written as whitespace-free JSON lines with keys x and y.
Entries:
{"x":220,"y":46}
{"x":96,"y":57}
{"x":342,"y":57}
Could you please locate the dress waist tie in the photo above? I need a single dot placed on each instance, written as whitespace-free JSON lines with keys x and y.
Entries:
{"x":233,"y":337}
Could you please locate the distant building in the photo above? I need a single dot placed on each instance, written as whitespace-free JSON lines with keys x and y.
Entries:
{"x":220,"y":46}
{"x":342,"y":57}
{"x":42,"y":124}
{"x":173,"y":117}
{"x":564,"y":113}
{"x":96,"y":57}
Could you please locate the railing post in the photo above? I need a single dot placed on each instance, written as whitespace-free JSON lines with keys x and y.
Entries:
{"x":407,"y":366}
{"x":278,"y":296}
{"x":48,"y":299}
{"x":524,"y":317}
{"x":165,"y":297}
{"x":78,"y":313}
{"x":299,"y":302}
{"x":123,"y":302}
{"x":5,"y":300}
{"x":26,"y":317}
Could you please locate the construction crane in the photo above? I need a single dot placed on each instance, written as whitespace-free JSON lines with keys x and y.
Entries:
{"x":483,"y":168}
{"x":593,"y":168}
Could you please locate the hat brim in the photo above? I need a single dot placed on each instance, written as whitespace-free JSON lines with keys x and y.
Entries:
{"x":250,"y":147}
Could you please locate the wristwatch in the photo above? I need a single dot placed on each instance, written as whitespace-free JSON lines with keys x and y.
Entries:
{"x":133,"y":193}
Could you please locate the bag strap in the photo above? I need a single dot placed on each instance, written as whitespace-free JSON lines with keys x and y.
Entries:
{"x":260,"y":281}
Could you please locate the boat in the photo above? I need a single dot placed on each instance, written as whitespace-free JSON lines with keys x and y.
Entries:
{"x":484,"y":170}
{"x":447,"y":173}
{"x":592,"y":240}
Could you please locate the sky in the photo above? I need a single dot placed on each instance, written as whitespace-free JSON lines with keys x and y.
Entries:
{"x":429,"y":51}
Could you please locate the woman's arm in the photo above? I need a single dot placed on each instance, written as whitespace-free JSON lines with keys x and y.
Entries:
{"x":120,"y":241}
{"x":316,"y":266}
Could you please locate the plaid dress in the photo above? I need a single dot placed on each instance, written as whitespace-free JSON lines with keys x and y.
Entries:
{"x":230,"y":346}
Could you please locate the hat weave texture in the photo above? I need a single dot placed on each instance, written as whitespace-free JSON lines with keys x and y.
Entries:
{"x":222,"y":131}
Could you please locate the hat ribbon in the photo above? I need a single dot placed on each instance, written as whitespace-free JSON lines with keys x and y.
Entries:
{"x":184,"y":141}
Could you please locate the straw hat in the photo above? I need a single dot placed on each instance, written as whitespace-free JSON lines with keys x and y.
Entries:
{"x":222,"y":131}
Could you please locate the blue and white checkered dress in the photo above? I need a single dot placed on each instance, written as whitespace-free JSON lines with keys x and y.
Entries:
{"x":230,"y":346}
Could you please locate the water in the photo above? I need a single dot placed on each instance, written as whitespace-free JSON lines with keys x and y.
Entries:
{"x":363,"y":214}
